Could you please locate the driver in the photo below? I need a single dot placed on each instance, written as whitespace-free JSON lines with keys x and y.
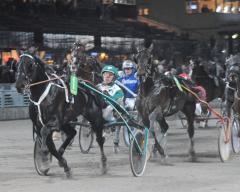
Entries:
{"x":129,"y":80}
{"x":109,"y":74}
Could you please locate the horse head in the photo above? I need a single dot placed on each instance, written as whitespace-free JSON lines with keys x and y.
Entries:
{"x":29,"y":71}
{"x":145,"y":68}
{"x":78,"y":52}
{"x":88,"y":67}
{"x":199,"y":70}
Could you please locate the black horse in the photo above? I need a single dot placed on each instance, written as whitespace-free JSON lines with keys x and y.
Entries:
{"x":210,"y":78}
{"x":50,"y":110}
{"x":160,"y":97}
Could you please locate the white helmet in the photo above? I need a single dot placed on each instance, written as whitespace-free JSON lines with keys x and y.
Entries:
{"x":128,"y":64}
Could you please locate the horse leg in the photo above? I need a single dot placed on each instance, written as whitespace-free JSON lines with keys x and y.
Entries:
{"x":100,"y":140}
{"x":45,"y":131}
{"x":189,"y":112}
{"x":158,"y":134}
{"x":70,"y":133}
{"x":55,"y":153}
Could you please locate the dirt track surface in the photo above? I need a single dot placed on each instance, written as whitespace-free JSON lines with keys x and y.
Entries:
{"x":17,"y":172}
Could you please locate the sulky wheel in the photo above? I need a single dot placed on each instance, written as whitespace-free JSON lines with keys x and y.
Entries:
{"x":42,"y":159}
{"x":85,"y":137}
{"x":224,"y":146}
{"x":235,"y":135}
{"x":138,"y":155}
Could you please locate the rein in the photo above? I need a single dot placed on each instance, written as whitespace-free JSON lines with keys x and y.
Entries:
{"x":45,"y":81}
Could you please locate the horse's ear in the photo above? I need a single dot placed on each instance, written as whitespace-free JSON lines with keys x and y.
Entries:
{"x":151,"y":48}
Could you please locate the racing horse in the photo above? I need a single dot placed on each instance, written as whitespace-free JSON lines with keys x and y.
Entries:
{"x":160,"y":97}
{"x":50,"y":109}
{"x":232,"y":107}
{"x":234,"y":77}
{"x":210,"y":77}
{"x":232,"y":73}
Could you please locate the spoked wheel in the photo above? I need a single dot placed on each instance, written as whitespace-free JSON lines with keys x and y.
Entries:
{"x":235,"y":136}
{"x":138,"y":154}
{"x":224,"y":145}
{"x":85,"y":137}
{"x":42,"y":160}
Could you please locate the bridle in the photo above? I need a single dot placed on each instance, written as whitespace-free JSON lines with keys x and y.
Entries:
{"x":28,"y":79}
{"x":147,"y":66}
{"x":77,"y":62}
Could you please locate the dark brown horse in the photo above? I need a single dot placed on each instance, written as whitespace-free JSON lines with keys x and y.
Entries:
{"x":160,"y":97}
{"x":204,"y":74}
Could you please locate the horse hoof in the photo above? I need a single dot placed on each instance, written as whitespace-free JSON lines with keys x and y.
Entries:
{"x":151,"y":152}
{"x":45,"y":165}
{"x":104,"y":170}
{"x":192,"y":159}
{"x":164,"y":160}
{"x":69,"y":174}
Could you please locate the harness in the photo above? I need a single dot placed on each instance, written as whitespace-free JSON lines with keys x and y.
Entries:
{"x":47,"y":89}
{"x":45,"y":94}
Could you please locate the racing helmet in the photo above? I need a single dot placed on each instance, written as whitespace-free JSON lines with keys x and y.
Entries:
{"x":128,"y":64}
{"x":111,"y":69}
{"x":185,"y":76}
